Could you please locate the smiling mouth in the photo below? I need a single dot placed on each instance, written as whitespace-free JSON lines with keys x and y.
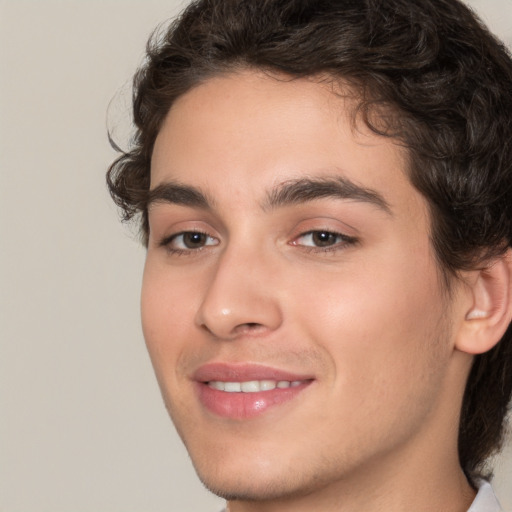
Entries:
{"x":253,"y":386}
{"x":243,"y":400}
{"x":241,"y":391}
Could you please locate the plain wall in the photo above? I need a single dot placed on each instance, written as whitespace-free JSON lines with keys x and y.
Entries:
{"x":82,"y":424}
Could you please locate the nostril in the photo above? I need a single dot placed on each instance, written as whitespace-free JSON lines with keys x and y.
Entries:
{"x":251,"y":328}
{"x":225,"y":314}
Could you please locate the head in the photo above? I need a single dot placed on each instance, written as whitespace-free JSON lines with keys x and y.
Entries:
{"x":425,"y":77}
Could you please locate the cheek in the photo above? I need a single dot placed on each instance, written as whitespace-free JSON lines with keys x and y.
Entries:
{"x":165,"y":304}
{"x":167,"y":319}
{"x":380,"y":323}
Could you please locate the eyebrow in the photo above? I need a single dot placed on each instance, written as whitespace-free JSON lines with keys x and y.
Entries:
{"x":177,"y":193}
{"x":303,"y":190}
{"x":297,"y":191}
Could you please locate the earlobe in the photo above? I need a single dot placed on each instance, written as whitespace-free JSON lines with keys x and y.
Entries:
{"x":490,"y":313}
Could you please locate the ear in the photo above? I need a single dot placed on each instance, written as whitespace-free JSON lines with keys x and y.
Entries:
{"x":490,"y":312}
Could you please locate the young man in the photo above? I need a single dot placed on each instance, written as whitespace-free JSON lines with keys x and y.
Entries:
{"x":325,"y":190}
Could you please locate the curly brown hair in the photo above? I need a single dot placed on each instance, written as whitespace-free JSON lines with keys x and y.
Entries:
{"x":432,"y":63}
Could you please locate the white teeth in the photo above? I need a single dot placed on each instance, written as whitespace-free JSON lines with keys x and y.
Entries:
{"x":232,"y":387}
{"x":252,"y":386}
{"x":267,"y":385}
{"x":215,"y":384}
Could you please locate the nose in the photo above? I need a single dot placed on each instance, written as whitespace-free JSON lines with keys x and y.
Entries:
{"x":241,"y":297}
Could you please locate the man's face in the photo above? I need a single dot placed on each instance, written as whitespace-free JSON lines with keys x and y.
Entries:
{"x":291,"y":302}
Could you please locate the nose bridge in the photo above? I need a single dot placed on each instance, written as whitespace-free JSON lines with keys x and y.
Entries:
{"x":240,"y":297}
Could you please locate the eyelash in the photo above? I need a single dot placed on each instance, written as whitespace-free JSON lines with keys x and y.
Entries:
{"x":167,"y":241}
{"x":344,"y":241}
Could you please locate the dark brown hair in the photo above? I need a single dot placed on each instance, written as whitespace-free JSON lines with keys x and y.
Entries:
{"x":431,"y":62}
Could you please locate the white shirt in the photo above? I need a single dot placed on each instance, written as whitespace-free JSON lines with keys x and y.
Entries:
{"x":485,"y":500}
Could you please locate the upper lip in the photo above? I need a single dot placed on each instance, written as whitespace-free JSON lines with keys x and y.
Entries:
{"x":243,"y":372}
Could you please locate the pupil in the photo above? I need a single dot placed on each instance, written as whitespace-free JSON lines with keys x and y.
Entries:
{"x":193,"y":239}
{"x":323,"y":238}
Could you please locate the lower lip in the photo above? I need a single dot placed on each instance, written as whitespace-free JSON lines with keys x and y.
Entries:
{"x":245,"y":405}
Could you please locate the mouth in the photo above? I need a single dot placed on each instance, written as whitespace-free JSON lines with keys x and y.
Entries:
{"x":253,"y":386}
{"x":240,"y":392}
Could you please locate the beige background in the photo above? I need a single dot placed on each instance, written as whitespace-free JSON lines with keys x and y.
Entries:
{"x":82,"y":427}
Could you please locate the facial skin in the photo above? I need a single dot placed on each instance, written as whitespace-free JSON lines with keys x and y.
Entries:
{"x":341,"y":292}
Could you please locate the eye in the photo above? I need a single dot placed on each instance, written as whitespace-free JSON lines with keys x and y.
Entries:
{"x":188,"y":241}
{"x":323,"y":239}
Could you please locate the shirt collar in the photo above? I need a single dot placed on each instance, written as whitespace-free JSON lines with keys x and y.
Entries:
{"x":485,"y":500}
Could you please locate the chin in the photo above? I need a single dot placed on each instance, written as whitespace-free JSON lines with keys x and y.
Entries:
{"x":255,"y":488}
{"x":242,"y":479}
{"x":256,"y":480}
{"x":248,"y":492}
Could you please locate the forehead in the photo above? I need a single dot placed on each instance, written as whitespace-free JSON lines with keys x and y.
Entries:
{"x":244,"y":131}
